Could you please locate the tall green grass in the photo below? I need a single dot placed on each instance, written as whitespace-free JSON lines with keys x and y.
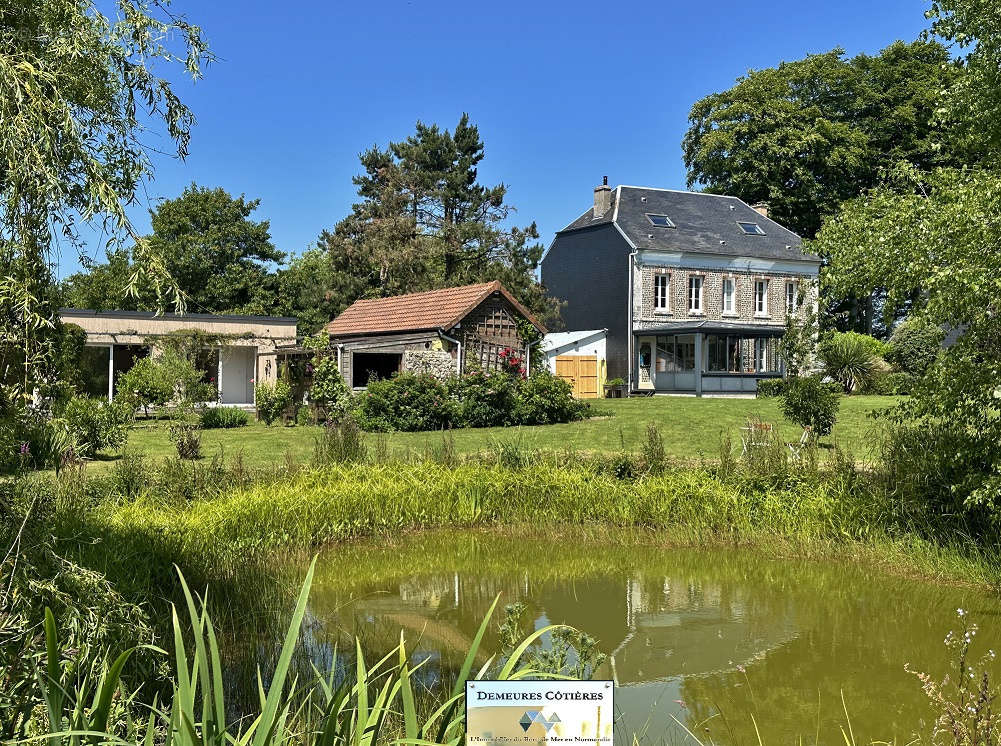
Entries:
{"x":839,"y":512}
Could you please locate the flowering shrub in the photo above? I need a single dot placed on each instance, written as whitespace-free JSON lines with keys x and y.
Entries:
{"x":512,"y":363}
{"x":484,"y":399}
{"x":411,"y":402}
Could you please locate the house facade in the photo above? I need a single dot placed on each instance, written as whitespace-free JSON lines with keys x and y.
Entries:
{"x":694,"y":289}
{"x":442,"y":332}
{"x":245,"y":354}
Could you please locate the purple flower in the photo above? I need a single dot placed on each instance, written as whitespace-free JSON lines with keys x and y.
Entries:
{"x":25,"y":449}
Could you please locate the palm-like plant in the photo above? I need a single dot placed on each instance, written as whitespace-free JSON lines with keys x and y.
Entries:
{"x":850,"y":360}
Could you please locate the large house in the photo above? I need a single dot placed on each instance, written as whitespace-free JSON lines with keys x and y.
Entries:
{"x":694,"y":289}
{"x":441,"y":332}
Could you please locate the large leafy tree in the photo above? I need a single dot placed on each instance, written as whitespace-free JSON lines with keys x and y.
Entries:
{"x":933,"y":241}
{"x":220,"y":258}
{"x":305,"y":291}
{"x":424,"y":221}
{"x":972,"y":104}
{"x":79,"y":99}
{"x":809,"y":134}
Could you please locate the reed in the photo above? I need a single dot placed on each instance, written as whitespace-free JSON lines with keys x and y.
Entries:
{"x":86,"y":704}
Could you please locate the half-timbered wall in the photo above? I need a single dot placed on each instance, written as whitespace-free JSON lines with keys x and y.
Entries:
{"x":490,"y":328}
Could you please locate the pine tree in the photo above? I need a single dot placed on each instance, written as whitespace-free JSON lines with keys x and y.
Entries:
{"x":425,"y":222}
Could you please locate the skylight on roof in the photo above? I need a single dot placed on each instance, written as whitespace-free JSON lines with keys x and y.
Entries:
{"x":661,"y":221}
{"x":752,"y":229}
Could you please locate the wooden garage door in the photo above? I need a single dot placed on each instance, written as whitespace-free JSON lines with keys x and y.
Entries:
{"x":581,"y":372}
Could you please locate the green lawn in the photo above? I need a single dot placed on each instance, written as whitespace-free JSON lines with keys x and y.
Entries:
{"x":689,"y":426}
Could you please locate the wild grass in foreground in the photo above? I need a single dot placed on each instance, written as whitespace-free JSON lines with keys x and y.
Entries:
{"x":378,"y":704}
{"x":381,"y":702}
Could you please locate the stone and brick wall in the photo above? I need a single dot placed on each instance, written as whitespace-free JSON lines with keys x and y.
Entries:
{"x":646,"y":316}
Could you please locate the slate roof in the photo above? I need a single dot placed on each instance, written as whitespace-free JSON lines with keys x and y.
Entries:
{"x":702,"y":221}
{"x":433,"y":309}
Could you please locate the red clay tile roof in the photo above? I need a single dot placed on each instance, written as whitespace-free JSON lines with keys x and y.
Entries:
{"x":433,"y":309}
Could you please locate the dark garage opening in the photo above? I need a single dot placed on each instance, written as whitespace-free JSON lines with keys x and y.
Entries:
{"x":369,"y":366}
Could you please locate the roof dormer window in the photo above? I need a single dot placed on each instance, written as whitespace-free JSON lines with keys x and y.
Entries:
{"x":661,"y":221}
{"x":751,"y":229}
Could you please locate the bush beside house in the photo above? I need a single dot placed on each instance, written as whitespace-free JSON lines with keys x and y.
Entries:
{"x":415,"y":402}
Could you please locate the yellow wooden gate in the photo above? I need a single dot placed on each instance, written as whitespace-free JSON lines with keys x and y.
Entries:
{"x":581,"y":372}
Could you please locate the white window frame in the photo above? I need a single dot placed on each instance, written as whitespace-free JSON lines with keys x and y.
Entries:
{"x":693,"y":308}
{"x":792,"y":296}
{"x":760,"y":355}
{"x":761,"y":298}
{"x":662,"y":292}
{"x":730,"y":283}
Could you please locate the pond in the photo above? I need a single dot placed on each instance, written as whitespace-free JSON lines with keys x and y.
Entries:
{"x":719,"y":639}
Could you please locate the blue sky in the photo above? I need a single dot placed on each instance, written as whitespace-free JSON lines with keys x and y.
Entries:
{"x":563,"y":93}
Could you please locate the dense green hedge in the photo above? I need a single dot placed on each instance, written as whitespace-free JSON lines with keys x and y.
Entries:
{"x":414,"y":402}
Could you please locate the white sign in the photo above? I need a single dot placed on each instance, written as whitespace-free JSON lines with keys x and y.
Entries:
{"x":534,"y":712}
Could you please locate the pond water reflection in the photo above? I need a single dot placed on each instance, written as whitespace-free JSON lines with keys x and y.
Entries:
{"x":710,"y":637}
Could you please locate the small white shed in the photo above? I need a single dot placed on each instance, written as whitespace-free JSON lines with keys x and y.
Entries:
{"x":578,"y":358}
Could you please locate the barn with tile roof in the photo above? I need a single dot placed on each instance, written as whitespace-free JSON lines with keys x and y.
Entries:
{"x":441,"y":332}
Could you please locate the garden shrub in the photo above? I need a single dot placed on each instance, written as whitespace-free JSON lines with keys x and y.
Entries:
{"x":213,"y":418}
{"x":900,"y":383}
{"x":485,"y":399}
{"x":544,"y":399}
{"x":889,"y":384}
{"x":157,"y":381}
{"x":415,"y":402}
{"x":769,"y":387}
{"x":187,"y":439}
{"x":408,"y":402}
{"x":329,"y":392}
{"x":852,"y":359}
{"x":914,"y":345}
{"x":809,"y":402}
{"x":95,"y":424}
{"x":272,"y":400}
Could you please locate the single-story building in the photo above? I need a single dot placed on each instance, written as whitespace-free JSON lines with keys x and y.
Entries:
{"x":441,"y":332}
{"x":579,"y":359}
{"x":244,"y":355}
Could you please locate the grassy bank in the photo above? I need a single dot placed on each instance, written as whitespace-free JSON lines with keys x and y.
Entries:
{"x":836,"y":512}
{"x":690,"y":427}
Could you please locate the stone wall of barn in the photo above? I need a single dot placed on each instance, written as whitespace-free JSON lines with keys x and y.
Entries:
{"x":437,"y":363}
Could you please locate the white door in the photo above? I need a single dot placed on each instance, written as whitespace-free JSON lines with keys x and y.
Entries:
{"x":237,"y":370}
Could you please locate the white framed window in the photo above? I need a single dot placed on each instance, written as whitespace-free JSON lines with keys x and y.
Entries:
{"x":695,"y":294}
{"x":791,"y":296}
{"x":662,"y":292}
{"x":760,"y":355}
{"x":761,"y":297}
{"x":729,"y":295}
